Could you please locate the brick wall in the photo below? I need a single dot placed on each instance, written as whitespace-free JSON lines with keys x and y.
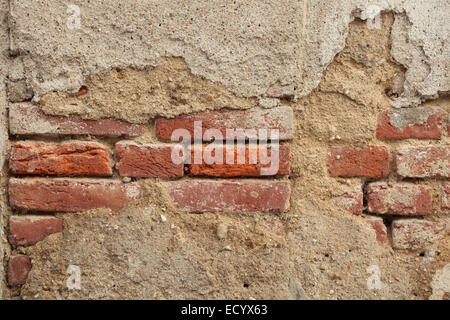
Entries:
{"x":67,"y":164}
{"x":51,"y":172}
{"x":396,"y":176}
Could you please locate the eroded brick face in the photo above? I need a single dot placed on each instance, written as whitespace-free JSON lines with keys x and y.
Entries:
{"x":27,"y":119}
{"x":71,"y":158}
{"x":415,"y":234}
{"x":280,"y":118}
{"x":423,"y":162}
{"x":421,"y":123}
{"x":28,"y":230}
{"x":71,"y":195}
{"x":198,"y":196}
{"x":401,"y":199}
{"x":371,"y":162}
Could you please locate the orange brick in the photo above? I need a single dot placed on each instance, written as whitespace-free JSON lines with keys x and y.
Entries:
{"x":70,"y":158}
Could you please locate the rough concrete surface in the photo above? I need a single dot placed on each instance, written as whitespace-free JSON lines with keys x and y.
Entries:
{"x":140,"y":59}
{"x":248,"y":46}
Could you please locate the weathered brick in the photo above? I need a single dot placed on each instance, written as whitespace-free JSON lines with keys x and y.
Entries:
{"x":401,"y":199}
{"x":28,"y":230}
{"x":70,"y":158}
{"x":18,"y":269}
{"x":229,"y":196}
{"x":246,"y":161}
{"x":133,"y":160}
{"x":352,"y":202}
{"x":445,"y":197}
{"x":280,"y":118}
{"x":27,"y":119}
{"x":416,"y":234}
{"x":70,"y":195}
{"x":423,"y":162}
{"x":371,"y":162}
{"x":379,"y":227}
{"x":421,"y":123}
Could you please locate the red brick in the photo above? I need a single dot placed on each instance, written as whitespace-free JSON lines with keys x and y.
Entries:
{"x":251,"y":166}
{"x":416,"y":234}
{"x":27,"y":119}
{"x":370,"y":162}
{"x":18,"y":269}
{"x":445,"y":197}
{"x":280,"y":118}
{"x":421,"y":123}
{"x":28,"y":230}
{"x":401,"y":199}
{"x":352,"y":202}
{"x":229,"y":196}
{"x":70,"y":158}
{"x":379,"y":227}
{"x":70,"y":195}
{"x":153,"y":161}
{"x":423,"y":162}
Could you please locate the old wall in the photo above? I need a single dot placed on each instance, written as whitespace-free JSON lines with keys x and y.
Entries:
{"x":362,"y":189}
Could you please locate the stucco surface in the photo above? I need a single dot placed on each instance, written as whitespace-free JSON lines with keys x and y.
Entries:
{"x":248,"y":46}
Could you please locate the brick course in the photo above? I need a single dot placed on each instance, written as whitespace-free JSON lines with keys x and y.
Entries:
{"x":236,"y":195}
{"x":70,"y":195}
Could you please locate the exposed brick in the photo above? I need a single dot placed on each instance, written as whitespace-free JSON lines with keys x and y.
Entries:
{"x":154,"y":161}
{"x":421,"y":123}
{"x":70,"y":195}
{"x":231,"y":196}
{"x":28,"y":230}
{"x":379,"y":227}
{"x":18,"y":269}
{"x":445,"y":197}
{"x":247,"y":165}
{"x":371,"y":162}
{"x":416,"y":234}
{"x":280,"y":118}
{"x":352,"y":202}
{"x":423,"y":162}
{"x":401,"y":199}
{"x":70,"y":158}
{"x":27,"y":119}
